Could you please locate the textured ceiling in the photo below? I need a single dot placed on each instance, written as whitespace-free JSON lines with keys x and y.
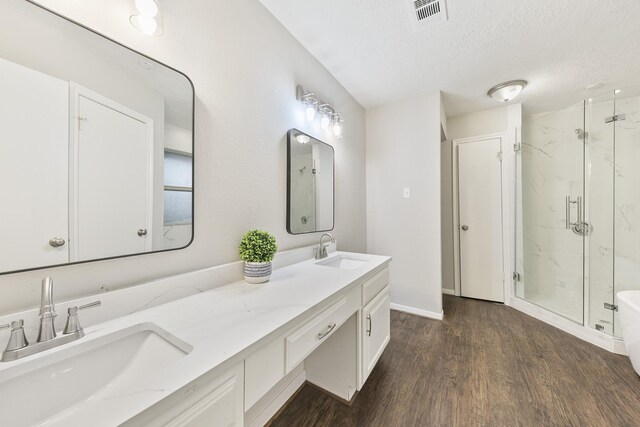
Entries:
{"x":559,"y":46}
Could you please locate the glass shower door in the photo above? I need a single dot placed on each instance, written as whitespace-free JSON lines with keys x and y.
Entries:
{"x":600,"y":158}
{"x":552,"y":159}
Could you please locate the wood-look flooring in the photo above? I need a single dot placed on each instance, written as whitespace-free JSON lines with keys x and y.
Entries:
{"x":485,"y":365}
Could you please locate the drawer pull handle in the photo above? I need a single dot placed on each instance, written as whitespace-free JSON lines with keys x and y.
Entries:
{"x":370,"y":325}
{"x":327,"y":332}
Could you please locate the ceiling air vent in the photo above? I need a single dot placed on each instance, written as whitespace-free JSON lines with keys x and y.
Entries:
{"x":427,"y":12}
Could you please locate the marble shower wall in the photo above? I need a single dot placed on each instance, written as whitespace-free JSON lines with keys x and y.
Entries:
{"x":627,"y":194}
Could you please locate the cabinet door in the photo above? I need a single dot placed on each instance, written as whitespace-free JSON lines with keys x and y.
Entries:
{"x":213,"y":400}
{"x":221,"y":407}
{"x":376,"y":331}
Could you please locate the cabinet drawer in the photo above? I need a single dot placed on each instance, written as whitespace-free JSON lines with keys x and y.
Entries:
{"x":373,"y":286}
{"x":301,"y":342}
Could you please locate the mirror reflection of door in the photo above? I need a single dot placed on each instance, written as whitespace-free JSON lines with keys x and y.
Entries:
{"x":104,"y":186}
{"x":34,"y":208}
{"x":114,"y":182}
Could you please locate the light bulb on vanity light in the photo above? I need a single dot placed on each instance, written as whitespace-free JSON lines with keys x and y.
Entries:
{"x":147,"y":17}
{"x":310,"y":112}
{"x":325,"y":112}
{"x":337,"y":126}
{"x":325,"y":121}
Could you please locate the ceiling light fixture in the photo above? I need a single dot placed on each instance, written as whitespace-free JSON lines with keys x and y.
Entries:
{"x":303,"y":139}
{"x":505,"y":92}
{"x":146,"y":17}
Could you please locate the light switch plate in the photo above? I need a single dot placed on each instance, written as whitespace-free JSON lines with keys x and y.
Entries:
{"x":406,"y":193}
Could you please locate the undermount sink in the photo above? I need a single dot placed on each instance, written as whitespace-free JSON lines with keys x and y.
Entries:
{"x":343,"y":262}
{"x":51,"y":388}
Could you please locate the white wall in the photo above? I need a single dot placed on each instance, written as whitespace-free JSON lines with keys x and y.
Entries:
{"x":507,"y":119}
{"x":245,"y":67}
{"x":403,"y":150}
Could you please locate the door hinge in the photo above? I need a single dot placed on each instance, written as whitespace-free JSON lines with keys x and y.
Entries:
{"x":616,"y":118}
{"x":516,"y":276}
{"x":516,"y":147}
{"x":81,"y":120}
{"x":500,"y":155}
{"x":611,"y":307}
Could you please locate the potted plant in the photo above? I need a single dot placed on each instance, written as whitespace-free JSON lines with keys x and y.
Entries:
{"x":257,"y":249}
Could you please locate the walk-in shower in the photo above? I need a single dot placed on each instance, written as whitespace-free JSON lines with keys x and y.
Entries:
{"x":578,"y":230}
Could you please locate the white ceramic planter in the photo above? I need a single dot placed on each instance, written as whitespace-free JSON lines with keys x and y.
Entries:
{"x":257,"y":272}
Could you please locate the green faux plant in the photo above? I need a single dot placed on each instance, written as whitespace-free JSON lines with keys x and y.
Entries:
{"x":257,"y":246}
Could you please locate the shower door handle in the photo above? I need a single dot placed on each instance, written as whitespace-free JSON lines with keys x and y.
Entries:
{"x":568,"y":202}
{"x":579,"y":205}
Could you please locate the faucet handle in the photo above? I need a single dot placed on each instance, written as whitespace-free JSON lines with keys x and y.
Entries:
{"x":74,"y":310}
{"x":73,"y":323}
{"x":17,"y":339}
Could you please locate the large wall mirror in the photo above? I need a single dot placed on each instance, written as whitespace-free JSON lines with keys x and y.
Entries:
{"x":310,"y":184}
{"x":96,"y":145}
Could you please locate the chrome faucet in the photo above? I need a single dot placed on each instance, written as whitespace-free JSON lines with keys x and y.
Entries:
{"x":48,"y":313}
{"x":321,"y":250}
{"x":18,"y":346}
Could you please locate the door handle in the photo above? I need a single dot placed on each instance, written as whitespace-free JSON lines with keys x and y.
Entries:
{"x":56,"y":242}
{"x":465,"y":227}
{"x":370,"y":325}
{"x":142,"y":232}
{"x":568,"y":202}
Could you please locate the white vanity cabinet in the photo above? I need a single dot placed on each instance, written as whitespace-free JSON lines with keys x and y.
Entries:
{"x":375,"y":330}
{"x":333,"y":345}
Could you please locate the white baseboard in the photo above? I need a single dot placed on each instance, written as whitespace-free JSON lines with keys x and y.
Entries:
{"x":282,"y":398}
{"x":448,"y":291}
{"x":585,"y":333}
{"x":417,"y":311}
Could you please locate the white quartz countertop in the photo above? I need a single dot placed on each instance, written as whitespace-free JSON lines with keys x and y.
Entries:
{"x":219,"y":324}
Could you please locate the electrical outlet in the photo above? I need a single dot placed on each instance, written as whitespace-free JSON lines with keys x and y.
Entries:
{"x":406,"y":193}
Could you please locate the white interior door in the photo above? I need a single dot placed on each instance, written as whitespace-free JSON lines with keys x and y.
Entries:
{"x":113,"y":181}
{"x":480,"y":220}
{"x":34,"y":156}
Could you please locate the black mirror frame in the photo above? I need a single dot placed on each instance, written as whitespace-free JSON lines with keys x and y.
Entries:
{"x":193,"y":132}
{"x":289,"y":142}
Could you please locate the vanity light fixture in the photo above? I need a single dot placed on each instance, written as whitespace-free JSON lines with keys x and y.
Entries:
{"x":329,"y":119}
{"x":147,"y":17}
{"x":505,"y":92}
